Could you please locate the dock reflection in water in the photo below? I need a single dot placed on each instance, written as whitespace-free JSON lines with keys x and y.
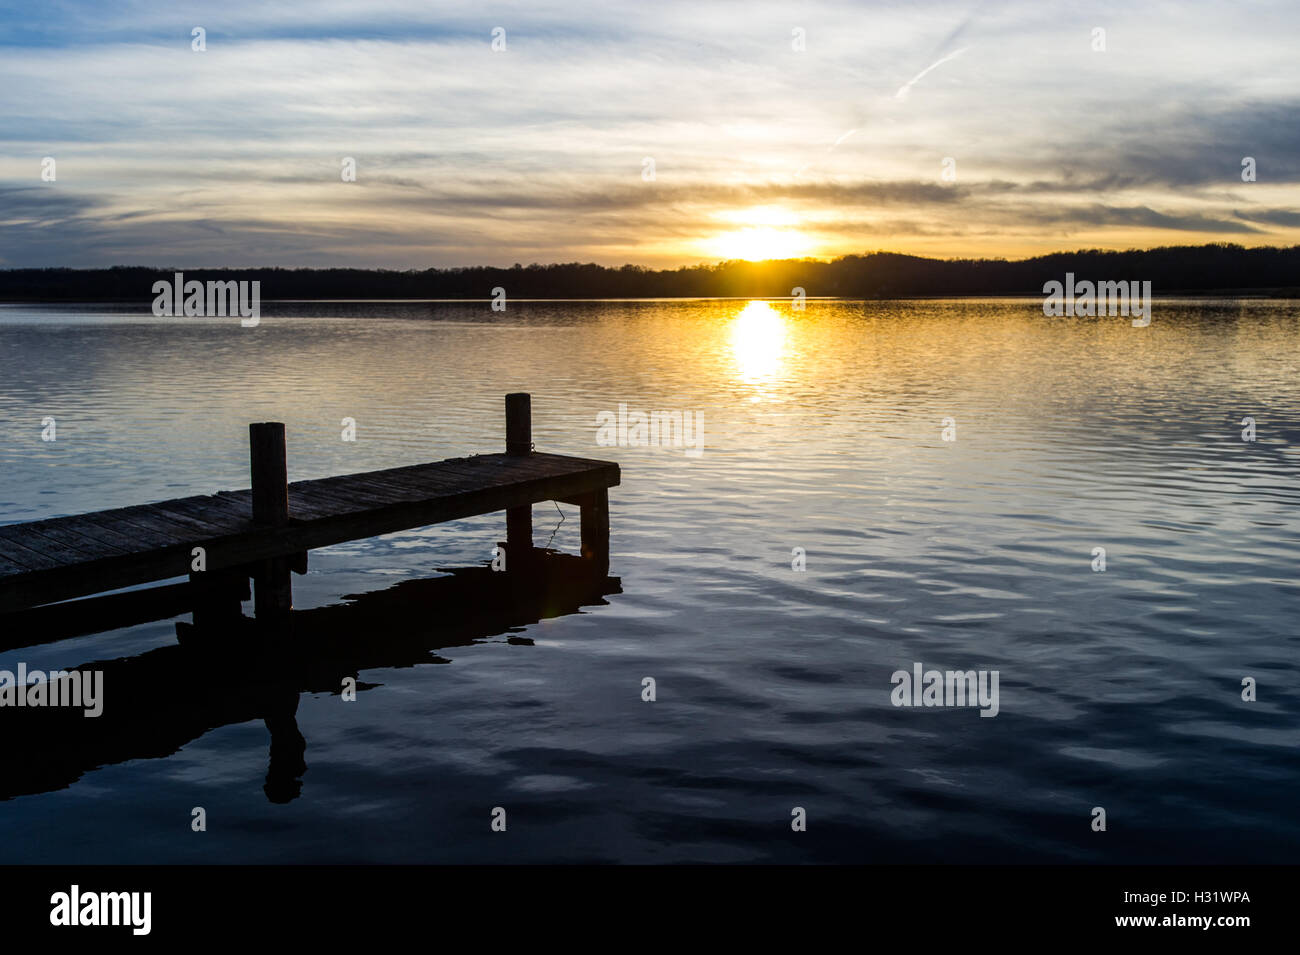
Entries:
{"x":163,"y":699}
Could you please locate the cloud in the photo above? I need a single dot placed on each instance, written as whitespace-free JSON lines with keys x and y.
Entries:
{"x":536,"y":153}
{"x":1282,"y":217}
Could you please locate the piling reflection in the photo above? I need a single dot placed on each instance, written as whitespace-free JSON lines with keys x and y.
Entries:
{"x":237,"y":671}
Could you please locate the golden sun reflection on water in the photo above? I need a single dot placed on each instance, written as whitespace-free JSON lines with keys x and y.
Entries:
{"x":758,"y":343}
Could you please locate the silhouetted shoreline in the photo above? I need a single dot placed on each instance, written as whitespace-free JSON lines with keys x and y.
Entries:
{"x":1217,"y":269}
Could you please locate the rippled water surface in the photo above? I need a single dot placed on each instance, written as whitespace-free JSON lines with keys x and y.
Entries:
{"x":822,"y":431}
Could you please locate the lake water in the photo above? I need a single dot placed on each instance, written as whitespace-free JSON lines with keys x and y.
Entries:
{"x":822,"y":430}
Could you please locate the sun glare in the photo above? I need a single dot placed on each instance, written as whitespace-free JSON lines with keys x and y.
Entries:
{"x":758,"y":243}
{"x":758,"y":342}
{"x":756,"y":233}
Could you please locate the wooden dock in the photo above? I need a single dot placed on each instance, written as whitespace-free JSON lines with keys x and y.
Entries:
{"x":265,"y":532}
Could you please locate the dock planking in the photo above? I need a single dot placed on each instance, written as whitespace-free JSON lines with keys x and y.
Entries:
{"x":62,"y":558}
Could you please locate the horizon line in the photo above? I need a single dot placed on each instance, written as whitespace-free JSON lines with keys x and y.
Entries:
{"x":820,"y":260}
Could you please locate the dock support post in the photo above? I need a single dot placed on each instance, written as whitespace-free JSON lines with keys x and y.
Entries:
{"x":217,"y":596}
{"x":519,"y":442}
{"x":273,"y":589}
{"x":595,"y":529}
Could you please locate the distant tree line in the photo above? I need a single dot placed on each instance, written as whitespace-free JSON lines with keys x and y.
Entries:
{"x":1218,"y":267}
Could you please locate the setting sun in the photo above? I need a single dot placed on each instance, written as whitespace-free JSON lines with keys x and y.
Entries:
{"x":757,"y":233}
{"x":757,"y":244}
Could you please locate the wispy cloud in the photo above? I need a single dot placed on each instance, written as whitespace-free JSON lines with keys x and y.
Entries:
{"x":232,"y":155}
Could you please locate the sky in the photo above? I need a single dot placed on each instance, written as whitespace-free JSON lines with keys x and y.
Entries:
{"x":658,"y":133}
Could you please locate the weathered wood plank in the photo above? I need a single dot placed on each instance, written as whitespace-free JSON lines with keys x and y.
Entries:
{"x":109,"y":535}
{"x":210,"y":524}
{"x":215,"y":508}
{"x":8,"y":568}
{"x":145,"y":517}
{"x":144,"y":535}
{"x":414,"y":487}
{"x":354,"y":498}
{"x":26,"y":552}
{"x":65,"y":537}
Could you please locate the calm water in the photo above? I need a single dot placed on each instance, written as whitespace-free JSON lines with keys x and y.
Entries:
{"x":822,"y":431}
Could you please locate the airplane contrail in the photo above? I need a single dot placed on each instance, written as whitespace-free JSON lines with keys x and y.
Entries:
{"x":903,"y":90}
{"x":906,"y":87}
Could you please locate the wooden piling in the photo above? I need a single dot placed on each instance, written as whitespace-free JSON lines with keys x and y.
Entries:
{"x":273,"y":588}
{"x":595,"y":529}
{"x":217,"y":597}
{"x":519,"y":443}
{"x":270,"y":470}
{"x":519,"y":423}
